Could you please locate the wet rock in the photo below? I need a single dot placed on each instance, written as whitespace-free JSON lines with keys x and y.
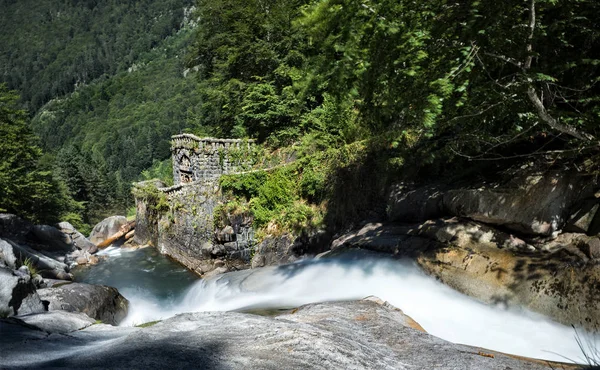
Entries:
{"x":97,"y":301}
{"x":215,"y":272}
{"x":18,"y":294}
{"x":343,"y":335}
{"x":106,"y":228}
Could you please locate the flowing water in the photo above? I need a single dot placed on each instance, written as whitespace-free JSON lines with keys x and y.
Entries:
{"x":158,"y":288}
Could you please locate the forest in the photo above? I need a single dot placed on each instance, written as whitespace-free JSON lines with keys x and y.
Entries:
{"x":422,"y":87}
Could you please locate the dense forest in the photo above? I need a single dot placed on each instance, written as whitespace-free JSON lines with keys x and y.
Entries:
{"x":419,"y":84}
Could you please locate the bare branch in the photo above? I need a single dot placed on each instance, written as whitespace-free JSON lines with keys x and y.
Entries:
{"x":553,"y":122}
{"x":532,"y":94}
{"x":506,"y":59}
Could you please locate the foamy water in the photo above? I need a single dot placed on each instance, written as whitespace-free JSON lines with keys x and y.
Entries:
{"x":441,"y":311}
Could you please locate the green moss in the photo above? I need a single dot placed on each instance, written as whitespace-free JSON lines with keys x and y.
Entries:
{"x":148,"y":324}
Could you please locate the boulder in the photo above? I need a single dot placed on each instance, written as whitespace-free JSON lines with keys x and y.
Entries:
{"x":106,"y":228}
{"x":343,"y":335}
{"x":14,"y":227}
{"x":51,"y":239}
{"x":534,"y":205}
{"x":7,"y":255}
{"x":17,"y":294}
{"x":80,"y":241}
{"x":97,"y":301}
{"x":61,"y":322}
{"x":47,"y":267}
{"x":274,"y":250}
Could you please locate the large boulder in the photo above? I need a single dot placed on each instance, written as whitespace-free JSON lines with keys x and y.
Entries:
{"x":99,"y":302}
{"x":534,"y":205}
{"x":106,"y":228}
{"x":79,"y":240}
{"x":48,"y":267}
{"x":51,"y":239}
{"x":274,"y":250}
{"x":7,"y":255}
{"x":17,"y":293}
{"x":14,"y":227}
{"x":343,"y":335}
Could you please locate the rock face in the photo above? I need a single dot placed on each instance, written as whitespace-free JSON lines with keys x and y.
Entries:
{"x":186,"y":231}
{"x":274,"y":251}
{"x":345,"y":335}
{"x":79,"y":241}
{"x":528,"y":204}
{"x":559,"y":279}
{"x":17,"y":293}
{"x":106,"y":228}
{"x":97,"y":301}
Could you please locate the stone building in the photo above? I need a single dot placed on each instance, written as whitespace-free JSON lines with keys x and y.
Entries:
{"x":196,"y":159}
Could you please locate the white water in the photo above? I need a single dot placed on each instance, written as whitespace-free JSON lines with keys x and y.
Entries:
{"x":440,"y":310}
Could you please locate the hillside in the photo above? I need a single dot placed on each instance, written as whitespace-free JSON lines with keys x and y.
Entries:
{"x":105,"y":85}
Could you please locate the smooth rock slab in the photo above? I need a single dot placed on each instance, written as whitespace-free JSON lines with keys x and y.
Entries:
{"x":345,"y":335}
{"x":57,"y":321}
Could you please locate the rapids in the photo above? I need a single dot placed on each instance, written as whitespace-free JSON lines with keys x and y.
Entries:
{"x":161,"y":289}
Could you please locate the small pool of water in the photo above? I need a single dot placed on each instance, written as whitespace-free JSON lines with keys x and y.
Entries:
{"x":139,"y":274}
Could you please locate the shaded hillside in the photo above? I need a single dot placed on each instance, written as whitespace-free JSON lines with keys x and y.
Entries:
{"x":47,"y":48}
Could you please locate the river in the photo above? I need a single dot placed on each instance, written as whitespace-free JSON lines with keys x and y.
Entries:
{"x":158,"y":288}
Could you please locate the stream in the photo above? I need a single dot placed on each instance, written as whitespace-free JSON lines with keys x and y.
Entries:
{"x":158,"y":288}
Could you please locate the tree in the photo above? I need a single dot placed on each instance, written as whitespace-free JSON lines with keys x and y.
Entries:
{"x":26,"y":188}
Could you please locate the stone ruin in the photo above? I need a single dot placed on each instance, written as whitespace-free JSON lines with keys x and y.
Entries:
{"x":196,"y":159}
{"x":187,"y":232}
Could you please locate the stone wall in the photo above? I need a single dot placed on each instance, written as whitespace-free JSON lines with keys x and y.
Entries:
{"x":196,"y":159}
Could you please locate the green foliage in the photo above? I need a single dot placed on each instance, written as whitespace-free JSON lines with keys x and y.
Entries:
{"x":28,"y":262}
{"x":270,"y":197}
{"x":155,"y":199}
{"x":27,"y":187}
{"x":162,"y":170}
{"x":53,"y":47}
{"x":147,"y":324}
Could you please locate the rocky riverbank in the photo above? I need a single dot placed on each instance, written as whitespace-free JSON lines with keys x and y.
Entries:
{"x":35,"y":270}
